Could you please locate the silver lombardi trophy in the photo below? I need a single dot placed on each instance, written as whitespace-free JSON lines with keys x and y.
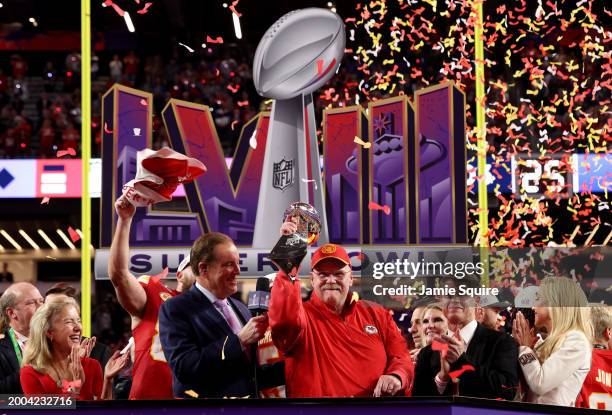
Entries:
{"x":295,"y":57}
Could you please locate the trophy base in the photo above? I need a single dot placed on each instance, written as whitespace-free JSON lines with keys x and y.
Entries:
{"x":289,"y":252}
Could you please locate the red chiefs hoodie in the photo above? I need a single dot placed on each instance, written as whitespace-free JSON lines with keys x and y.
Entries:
{"x":330,"y":355}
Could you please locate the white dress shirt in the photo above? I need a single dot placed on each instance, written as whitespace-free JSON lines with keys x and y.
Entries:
{"x":21,"y":340}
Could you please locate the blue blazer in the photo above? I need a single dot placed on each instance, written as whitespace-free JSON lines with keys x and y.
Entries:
{"x":204,"y":354}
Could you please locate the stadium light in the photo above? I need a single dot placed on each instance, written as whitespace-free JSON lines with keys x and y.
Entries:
{"x":66,"y":239}
{"x":47,"y":239}
{"x":11,"y":240}
{"x":237,"y":28}
{"x":27,"y":238}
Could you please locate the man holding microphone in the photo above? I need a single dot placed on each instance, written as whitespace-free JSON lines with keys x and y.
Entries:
{"x":335,"y":344}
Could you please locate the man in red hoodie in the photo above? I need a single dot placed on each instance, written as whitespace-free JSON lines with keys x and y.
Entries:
{"x":335,"y":344}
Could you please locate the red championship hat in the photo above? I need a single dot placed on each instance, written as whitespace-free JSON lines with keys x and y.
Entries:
{"x":158,"y":174}
{"x":330,"y":251}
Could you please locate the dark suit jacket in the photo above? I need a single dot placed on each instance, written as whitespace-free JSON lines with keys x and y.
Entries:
{"x":9,"y":367}
{"x":204,"y":354}
{"x":494,"y":356}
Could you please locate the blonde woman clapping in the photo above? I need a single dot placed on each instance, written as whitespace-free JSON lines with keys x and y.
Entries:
{"x":555,"y":368}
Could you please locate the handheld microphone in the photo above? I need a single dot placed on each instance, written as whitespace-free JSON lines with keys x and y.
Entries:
{"x":257,"y":303}
{"x":259,"y":299}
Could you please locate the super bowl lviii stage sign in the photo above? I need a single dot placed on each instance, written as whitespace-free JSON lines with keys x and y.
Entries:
{"x":415,"y":166}
{"x":408,"y":158}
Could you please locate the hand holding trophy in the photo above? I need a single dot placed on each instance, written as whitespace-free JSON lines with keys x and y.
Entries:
{"x":291,"y":248}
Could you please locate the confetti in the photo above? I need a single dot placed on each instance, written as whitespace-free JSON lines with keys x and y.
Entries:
{"x":45,"y":201}
{"x":233,"y":8}
{"x":186,"y":47}
{"x":365,"y":144}
{"x":454,"y":374}
{"x":253,"y":140}
{"x":234,"y":124}
{"x":50,"y":257}
{"x":223,"y":348}
{"x":556,"y":90}
{"x":192,"y":393}
{"x":136,"y":132}
{"x":127,"y":347}
{"x":128,"y":22}
{"x":234,"y":89}
{"x":68,"y":152}
{"x":243,"y":103}
{"x":117,"y":9}
{"x":218,"y":39}
{"x":144,"y":102}
{"x":106,"y":130}
{"x":145,"y":9}
{"x":319,"y":66}
{"x":440,"y":347}
{"x":310,"y":181}
{"x":73,"y":234}
{"x":375,"y":206}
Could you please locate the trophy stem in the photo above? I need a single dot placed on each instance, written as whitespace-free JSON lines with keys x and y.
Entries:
{"x":283,"y":168}
{"x":317,"y":199}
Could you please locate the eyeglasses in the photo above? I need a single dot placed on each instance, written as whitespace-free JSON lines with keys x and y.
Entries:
{"x":338,"y":275}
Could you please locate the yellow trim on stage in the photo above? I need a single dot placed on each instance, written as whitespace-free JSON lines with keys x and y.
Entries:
{"x":86,"y":156}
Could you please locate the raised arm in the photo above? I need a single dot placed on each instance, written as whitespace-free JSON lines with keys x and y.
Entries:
{"x":130,"y":293}
{"x":286,"y":313}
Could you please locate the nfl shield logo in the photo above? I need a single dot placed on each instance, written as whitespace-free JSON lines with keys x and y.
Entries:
{"x":282,"y":176}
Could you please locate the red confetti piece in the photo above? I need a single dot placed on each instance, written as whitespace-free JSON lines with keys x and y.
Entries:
{"x":319,"y":66}
{"x":234,"y":89}
{"x":70,"y":152}
{"x":454,"y":374}
{"x":118,"y":9}
{"x":375,"y":206}
{"x":73,"y":234}
{"x":440,"y":347}
{"x":144,"y":102}
{"x":243,"y":103}
{"x":106,"y":130}
{"x":233,"y":9}
{"x":218,"y":39}
{"x":145,"y":9}
{"x":45,"y":201}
